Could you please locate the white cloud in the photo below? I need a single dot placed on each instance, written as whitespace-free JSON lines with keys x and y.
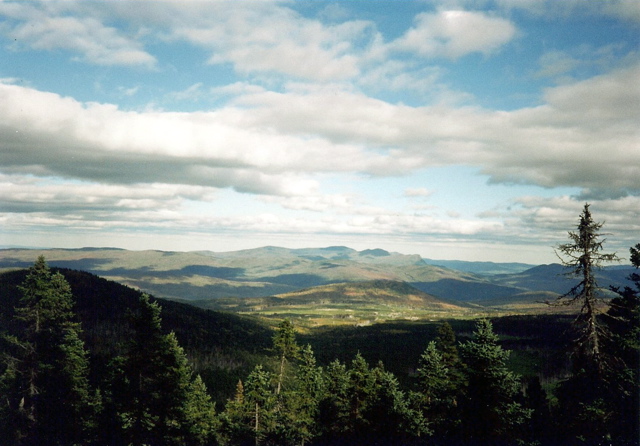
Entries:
{"x":215,"y":148}
{"x":455,"y":33}
{"x":267,"y":142}
{"x":417,"y":192}
{"x":268,"y":37}
{"x":547,"y":220}
{"x":556,"y":63}
{"x":192,"y":92}
{"x":314,"y":202}
{"x":625,"y":9}
{"x":48,"y":28}
{"x":128,"y":91}
{"x":86,"y":204}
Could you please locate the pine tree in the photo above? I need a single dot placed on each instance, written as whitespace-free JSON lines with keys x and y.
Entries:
{"x":284,"y":343}
{"x":201,"y":420}
{"x":435,"y":395}
{"x":360,"y":391}
{"x":297,"y":419}
{"x":490,"y":412}
{"x":583,"y":256}
{"x":335,"y":407}
{"x":154,"y":398}
{"x":49,"y":400}
{"x":390,"y":416}
{"x":260,"y":401}
{"x":584,"y":397}
{"x":623,"y":322}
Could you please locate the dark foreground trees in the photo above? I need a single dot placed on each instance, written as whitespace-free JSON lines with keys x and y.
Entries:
{"x":46,"y":398}
{"x":153,"y":397}
{"x":462,"y":393}
{"x":598,"y":403}
{"x":623,"y":322}
{"x":490,"y":408}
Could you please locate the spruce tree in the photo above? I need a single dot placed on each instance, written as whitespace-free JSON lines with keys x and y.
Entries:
{"x":48,"y":398}
{"x":490,"y":411}
{"x":297,"y":419}
{"x":260,"y":401}
{"x":365,"y":405}
{"x":584,"y":396}
{"x":583,"y":257}
{"x":433,"y":375}
{"x":435,"y":395}
{"x":446,"y":345}
{"x":334,"y":407}
{"x":236,"y":421}
{"x":284,"y":344}
{"x":153,"y":395}
{"x":541,"y":426}
{"x":623,"y":345}
{"x":202,"y":422}
{"x":391,"y":418}
{"x":360,"y":391}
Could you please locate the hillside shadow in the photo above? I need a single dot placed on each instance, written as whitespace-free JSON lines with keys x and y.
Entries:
{"x":296,"y":280}
{"x":91,"y":264}
{"x":465,"y":291}
{"x":189,"y":270}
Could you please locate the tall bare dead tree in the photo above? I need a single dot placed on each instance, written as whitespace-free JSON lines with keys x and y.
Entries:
{"x":583,"y":255}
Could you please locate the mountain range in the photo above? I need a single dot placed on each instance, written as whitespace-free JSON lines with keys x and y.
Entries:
{"x":274,"y":275}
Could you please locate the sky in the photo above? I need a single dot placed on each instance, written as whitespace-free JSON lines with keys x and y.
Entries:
{"x":469,"y":130}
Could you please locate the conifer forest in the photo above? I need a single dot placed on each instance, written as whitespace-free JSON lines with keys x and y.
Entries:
{"x":69,"y":378}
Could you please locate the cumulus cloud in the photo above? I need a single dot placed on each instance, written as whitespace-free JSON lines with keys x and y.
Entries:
{"x":547,"y":220}
{"x":625,"y":9}
{"x":28,"y":194}
{"x":48,"y":28}
{"x":266,"y":37}
{"x":455,"y":33}
{"x":268,"y":142}
{"x":417,"y":192}
{"x":299,"y":110}
{"x":46,"y":134}
{"x":583,"y":136}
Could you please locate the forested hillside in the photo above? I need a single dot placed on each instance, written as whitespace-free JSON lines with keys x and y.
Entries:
{"x":222,"y":346}
{"x":128,"y":369}
{"x":199,"y":277}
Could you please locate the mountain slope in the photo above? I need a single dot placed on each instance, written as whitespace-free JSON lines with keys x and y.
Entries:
{"x":345,"y":303}
{"x":270,"y":271}
{"x":554,"y":278}
{"x":250,"y":273}
{"x":221,"y":345}
{"x":377,"y":291}
{"x":481,"y":268}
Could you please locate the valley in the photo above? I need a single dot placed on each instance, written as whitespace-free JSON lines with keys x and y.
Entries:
{"x":324,"y":286}
{"x":367,"y":310}
{"x":224,"y":346}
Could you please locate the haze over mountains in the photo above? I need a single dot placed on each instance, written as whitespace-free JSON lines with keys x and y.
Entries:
{"x":204,"y":277}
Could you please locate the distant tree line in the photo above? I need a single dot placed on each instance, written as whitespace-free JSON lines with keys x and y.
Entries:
{"x":462,"y":393}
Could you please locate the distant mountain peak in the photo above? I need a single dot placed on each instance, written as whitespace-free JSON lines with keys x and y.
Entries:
{"x":337,"y":248}
{"x":375,"y":252}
